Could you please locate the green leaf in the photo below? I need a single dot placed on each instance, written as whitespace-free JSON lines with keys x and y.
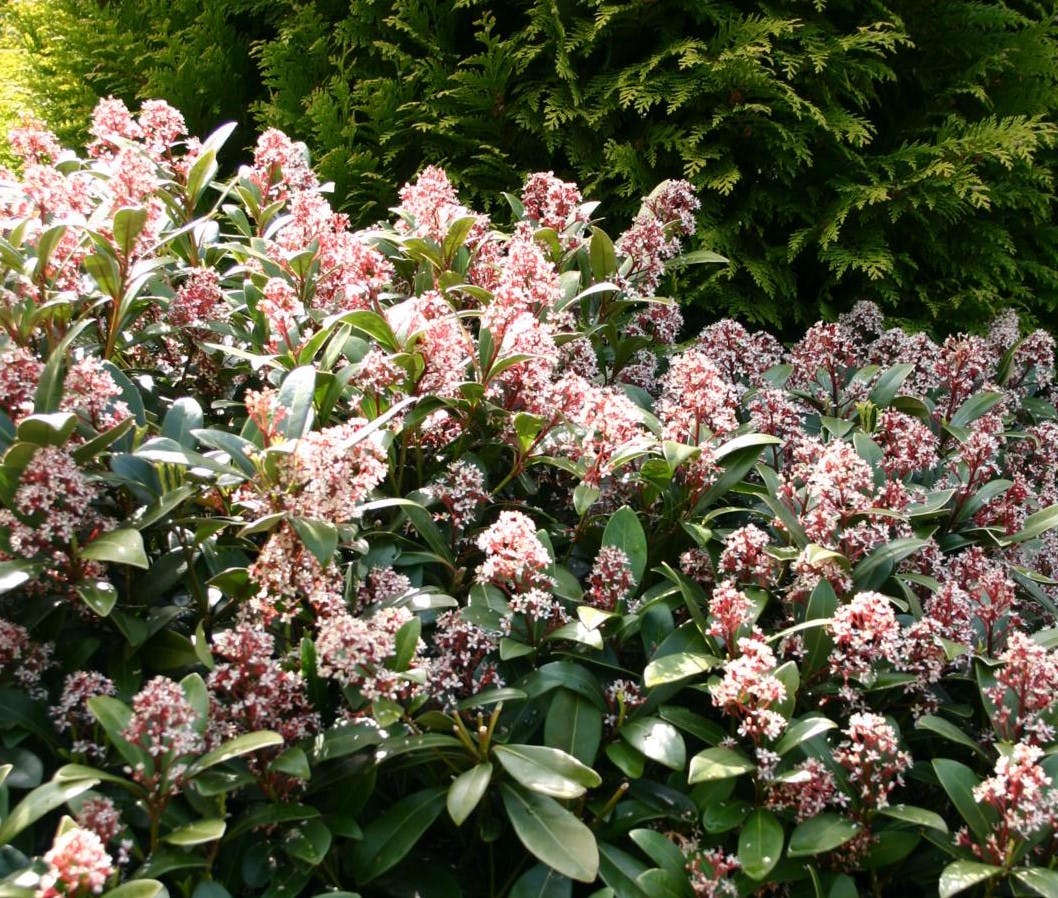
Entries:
{"x":235,"y":748}
{"x":574,"y":725}
{"x":760,"y":843}
{"x":293,"y":762}
{"x":138,"y":888}
{"x":948,"y":730}
{"x":919,"y":816}
{"x":309,"y":842}
{"x":549,"y":771}
{"x":182,"y":420}
{"x":319,"y":537}
{"x":961,"y":875}
{"x":197,"y":833}
{"x":99,"y":595}
{"x":51,"y":429}
{"x":820,"y":834}
{"x":1039,"y":879}
{"x":657,"y":740}
{"x":873,"y":570}
{"x":959,"y":781}
{"x":624,"y":531}
{"x":542,"y":882}
{"x":128,"y":223}
{"x":552,"y":834}
{"x":39,"y":802}
{"x":13,"y":574}
{"x":390,"y":837}
{"x":601,"y":254}
{"x":1035,"y":524}
{"x":621,"y":871}
{"x":407,"y":643}
{"x":718,"y":764}
{"x":113,"y":717}
{"x":467,"y":790}
{"x":295,"y":396}
{"x":677,"y":666}
{"x":122,"y":546}
{"x":974,"y":407}
{"x":801,"y":731}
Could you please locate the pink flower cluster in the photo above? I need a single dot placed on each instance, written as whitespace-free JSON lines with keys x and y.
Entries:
{"x":749,"y":690}
{"x":78,"y":865}
{"x":872,"y":758}
{"x":165,"y":726}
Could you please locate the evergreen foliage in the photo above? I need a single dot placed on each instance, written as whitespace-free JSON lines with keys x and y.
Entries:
{"x":894,"y":150}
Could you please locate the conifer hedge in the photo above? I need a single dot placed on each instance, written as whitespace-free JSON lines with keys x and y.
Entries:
{"x":899,"y":151}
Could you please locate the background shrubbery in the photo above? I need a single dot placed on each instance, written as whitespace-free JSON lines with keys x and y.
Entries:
{"x":896,"y":151}
{"x":429,"y":560}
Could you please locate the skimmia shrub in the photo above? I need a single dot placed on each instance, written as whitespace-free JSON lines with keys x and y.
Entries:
{"x":434,"y":559}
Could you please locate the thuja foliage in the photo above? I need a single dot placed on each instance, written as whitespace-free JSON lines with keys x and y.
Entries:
{"x":896,"y":151}
{"x":431,"y":560}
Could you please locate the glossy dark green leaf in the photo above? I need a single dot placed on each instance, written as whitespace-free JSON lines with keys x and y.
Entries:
{"x":390,"y":837}
{"x":574,"y":725}
{"x":548,"y":771}
{"x":621,"y":871}
{"x":552,"y":834}
{"x":657,"y":740}
{"x":677,"y":666}
{"x":542,"y":882}
{"x":99,"y":595}
{"x":959,"y":781}
{"x":717,"y":764}
{"x":1040,"y":879}
{"x":235,"y":748}
{"x":760,"y":843}
{"x":40,"y":801}
{"x":122,"y":546}
{"x":624,"y":531}
{"x":295,"y":398}
{"x":309,"y":843}
{"x":962,"y":875}
{"x":466,"y":791}
{"x":197,"y":833}
{"x":820,"y":834}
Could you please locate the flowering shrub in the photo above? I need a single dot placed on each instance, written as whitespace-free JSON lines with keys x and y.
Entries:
{"x":427,"y":560}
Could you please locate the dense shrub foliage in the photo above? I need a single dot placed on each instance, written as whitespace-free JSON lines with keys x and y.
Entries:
{"x":895,"y":151}
{"x":429,"y":560}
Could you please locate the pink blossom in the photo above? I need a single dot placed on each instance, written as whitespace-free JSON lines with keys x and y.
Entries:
{"x":250,"y":691}
{"x":199,"y":301}
{"x":746,"y":557}
{"x":32,"y":142}
{"x":464,"y":663}
{"x":461,"y":491}
{"x":112,"y":127}
{"x":646,"y":245}
{"x":165,"y":726}
{"x":353,"y":651}
{"x":282,"y":310}
{"x":895,"y":347}
{"x":622,"y":697}
{"x":865,"y":320}
{"x":865,"y":633}
{"x":611,"y":579}
{"x":749,"y":689}
{"x":90,"y":390}
{"x":807,"y":790}
{"x":674,"y":202}
{"x":711,"y":872}
{"x":22,"y":659}
{"x":19,"y":372}
{"x":696,"y":401}
{"x":290,"y":579}
{"x":1024,"y":694}
{"x":1022,"y":795}
{"x":382,"y":584}
{"x":78,"y":865}
{"x":741,"y":355}
{"x":514,"y":555}
{"x":551,"y":202}
{"x":872,"y":758}
{"x":100,"y":816}
{"x":162,"y":126}
{"x":730,"y":610}
{"x":909,"y":445}
{"x":72,"y":715}
{"x":528,"y":281}
{"x":280,"y":167}
{"x":827,"y":349}
{"x":430,"y":205}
